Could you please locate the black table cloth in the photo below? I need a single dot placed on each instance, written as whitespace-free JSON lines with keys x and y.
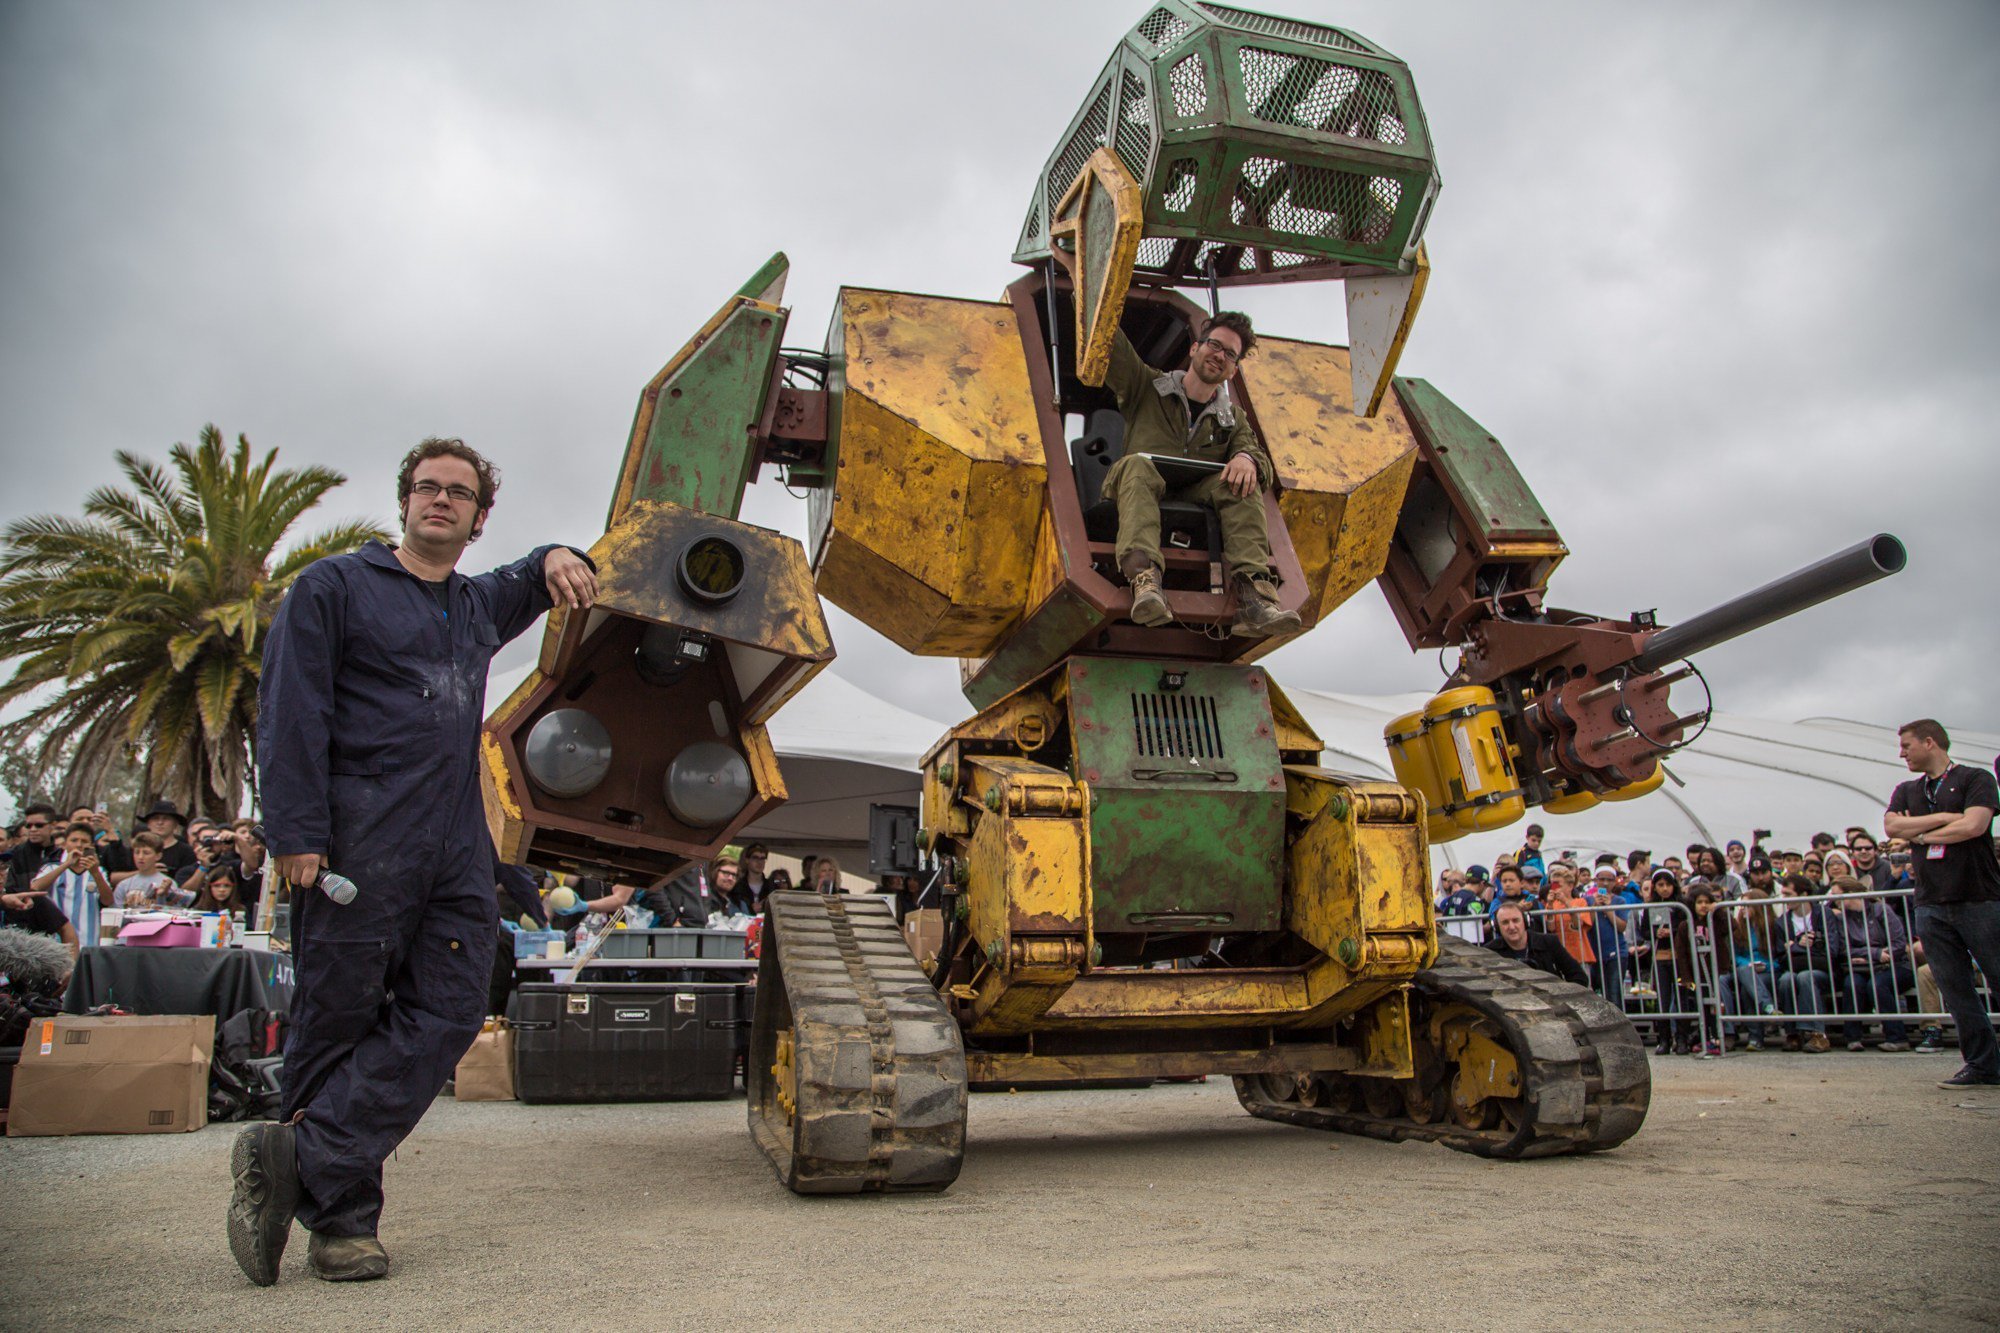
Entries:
{"x":142,"y":980}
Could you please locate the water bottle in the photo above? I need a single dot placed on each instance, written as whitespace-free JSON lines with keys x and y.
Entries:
{"x":337,"y":887}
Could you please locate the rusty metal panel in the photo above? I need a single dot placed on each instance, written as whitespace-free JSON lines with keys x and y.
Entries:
{"x":1474,"y":467}
{"x":692,"y":437}
{"x":1187,"y":794}
{"x":938,"y":471}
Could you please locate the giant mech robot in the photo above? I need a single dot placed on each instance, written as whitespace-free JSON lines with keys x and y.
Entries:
{"x":1145,"y":870}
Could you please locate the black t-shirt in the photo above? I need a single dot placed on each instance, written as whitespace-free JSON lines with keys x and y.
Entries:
{"x":27,"y":861}
{"x":1968,"y":872}
{"x":442,"y":591}
{"x":177,"y":856}
{"x":40,"y":915}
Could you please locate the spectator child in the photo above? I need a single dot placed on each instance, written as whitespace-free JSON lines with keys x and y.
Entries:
{"x":146,"y":885}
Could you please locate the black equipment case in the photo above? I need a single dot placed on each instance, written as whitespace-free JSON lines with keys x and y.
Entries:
{"x":619,"y":1042}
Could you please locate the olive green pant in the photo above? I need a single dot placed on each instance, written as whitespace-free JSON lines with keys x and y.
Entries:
{"x":1137,"y":488}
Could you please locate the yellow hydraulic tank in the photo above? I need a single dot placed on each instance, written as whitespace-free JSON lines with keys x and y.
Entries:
{"x":1645,"y":786}
{"x":1468,"y":780}
{"x":1410,"y":755}
{"x":1573,"y":803}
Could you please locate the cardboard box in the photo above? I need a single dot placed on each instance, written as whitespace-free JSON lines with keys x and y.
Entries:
{"x":133,"y":1074}
{"x":923,"y":931}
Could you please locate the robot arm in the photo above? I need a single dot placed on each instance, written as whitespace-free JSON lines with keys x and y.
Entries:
{"x":1546,"y":707}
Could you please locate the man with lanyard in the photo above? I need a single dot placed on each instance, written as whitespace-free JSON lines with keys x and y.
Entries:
{"x":1946,"y":813}
{"x":370,"y":704}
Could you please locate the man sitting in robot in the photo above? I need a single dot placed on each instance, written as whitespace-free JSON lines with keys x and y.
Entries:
{"x":1188,"y":414}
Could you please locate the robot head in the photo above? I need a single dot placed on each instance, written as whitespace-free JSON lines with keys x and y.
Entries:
{"x":1267,"y":148}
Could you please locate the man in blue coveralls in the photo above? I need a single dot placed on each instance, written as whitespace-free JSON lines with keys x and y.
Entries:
{"x":370,"y":703}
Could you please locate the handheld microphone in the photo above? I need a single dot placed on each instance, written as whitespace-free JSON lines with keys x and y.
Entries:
{"x":337,"y":887}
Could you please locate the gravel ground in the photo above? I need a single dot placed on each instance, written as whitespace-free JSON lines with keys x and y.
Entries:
{"x":1843,"y":1191}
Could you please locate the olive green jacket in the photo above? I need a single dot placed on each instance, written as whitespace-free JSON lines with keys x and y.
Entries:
{"x":1156,"y":416}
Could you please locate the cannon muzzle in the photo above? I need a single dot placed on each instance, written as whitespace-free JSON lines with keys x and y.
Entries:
{"x":1823,"y":580}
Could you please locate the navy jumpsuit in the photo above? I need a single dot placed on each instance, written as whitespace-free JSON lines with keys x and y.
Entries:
{"x":370,"y":705}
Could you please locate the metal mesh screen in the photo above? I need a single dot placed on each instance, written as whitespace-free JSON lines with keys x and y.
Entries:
{"x":1089,"y":137}
{"x":1319,"y":95}
{"x":1188,"y":82}
{"x":1296,"y":200}
{"x":1164,"y":28}
{"x":1155,"y":251}
{"x":1135,"y":125}
{"x":1277,"y":27}
{"x":1176,"y":726}
{"x":1031,"y":234}
{"x":1177,"y":184}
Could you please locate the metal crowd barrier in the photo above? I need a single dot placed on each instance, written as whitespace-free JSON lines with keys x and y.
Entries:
{"x":1702,"y":998}
{"x":1642,"y":957}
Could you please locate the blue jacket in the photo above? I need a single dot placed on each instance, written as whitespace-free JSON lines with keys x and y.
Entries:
{"x":370,"y":705}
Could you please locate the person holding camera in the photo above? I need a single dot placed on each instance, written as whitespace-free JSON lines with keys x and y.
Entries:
{"x":77,"y":883}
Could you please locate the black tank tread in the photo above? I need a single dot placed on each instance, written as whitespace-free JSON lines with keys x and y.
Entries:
{"x":1588,"y":1082}
{"x":879,"y":1066}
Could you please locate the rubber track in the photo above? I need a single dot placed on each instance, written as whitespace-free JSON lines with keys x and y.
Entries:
{"x":879,"y":1064}
{"x":1588,"y":1082}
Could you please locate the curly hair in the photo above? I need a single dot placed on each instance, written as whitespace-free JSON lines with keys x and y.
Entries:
{"x":1237,"y":323}
{"x":435,"y":447}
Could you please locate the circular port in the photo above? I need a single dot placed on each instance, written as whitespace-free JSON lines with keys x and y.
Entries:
{"x":706,"y":784}
{"x":711,"y":570}
{"x":568,"y":753}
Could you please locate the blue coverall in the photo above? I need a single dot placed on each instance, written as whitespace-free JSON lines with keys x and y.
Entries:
{"x":369,"y":709}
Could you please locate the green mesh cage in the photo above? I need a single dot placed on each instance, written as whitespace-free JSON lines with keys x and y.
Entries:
{"x":1267,"y":149}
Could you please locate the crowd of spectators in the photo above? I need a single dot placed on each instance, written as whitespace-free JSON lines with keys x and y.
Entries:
{"x":1796,"y":937}
{"x":63,"y":871}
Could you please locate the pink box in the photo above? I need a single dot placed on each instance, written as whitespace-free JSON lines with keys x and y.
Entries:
{"x":162,"y":933}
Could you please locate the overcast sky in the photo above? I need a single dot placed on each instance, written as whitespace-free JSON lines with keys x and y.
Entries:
{"x":1720,"y":276}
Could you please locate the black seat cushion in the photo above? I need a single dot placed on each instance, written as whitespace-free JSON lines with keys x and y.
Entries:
{"x":1091,"y":458}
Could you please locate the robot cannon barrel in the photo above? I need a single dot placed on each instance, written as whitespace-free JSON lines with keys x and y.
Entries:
{"x":1860,"y":564}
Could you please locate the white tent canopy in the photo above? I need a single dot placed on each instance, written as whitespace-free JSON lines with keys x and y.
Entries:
{"x":1793,"y":778}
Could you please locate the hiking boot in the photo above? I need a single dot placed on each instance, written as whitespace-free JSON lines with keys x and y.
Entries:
{"x":346,"y":1258}
{"x":1930,"y":1041}
{"x":266,"y":1195}
{"x":1149,"y":604}
{"x":1817,"y":1044}
{"x":1257,"y":613}
{"x":1968,"y":1077}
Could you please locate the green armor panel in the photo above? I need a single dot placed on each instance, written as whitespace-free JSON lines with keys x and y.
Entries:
{"x":1187,"y":795}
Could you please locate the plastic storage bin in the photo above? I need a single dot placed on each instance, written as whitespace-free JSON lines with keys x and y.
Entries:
{"x":611,"y":1041}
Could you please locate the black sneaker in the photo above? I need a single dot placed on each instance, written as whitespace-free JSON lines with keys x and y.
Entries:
{"x":266,"y":1195}
{"x":1969,"y":1077}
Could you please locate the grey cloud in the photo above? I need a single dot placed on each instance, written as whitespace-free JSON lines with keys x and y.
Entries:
{"x":1713,"y":272}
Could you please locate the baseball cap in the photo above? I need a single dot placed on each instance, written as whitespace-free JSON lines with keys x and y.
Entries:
{"x":1477,"y":874}
{"x":1759,"y":863}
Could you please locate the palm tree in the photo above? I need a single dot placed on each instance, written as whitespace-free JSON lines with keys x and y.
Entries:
{"x":139,"y":629}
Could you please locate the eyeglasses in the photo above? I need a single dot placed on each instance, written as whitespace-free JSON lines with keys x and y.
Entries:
{"x":430,"y":490}
{"x":43,"y":824}
{"x":1221,"y":347}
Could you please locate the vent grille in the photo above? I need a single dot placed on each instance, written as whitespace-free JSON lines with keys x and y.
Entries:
{"x":1187,"y":81}
{"x":1135,"y":125}
{"x":1164,"y":28}
{"x":1314,"y":33}
{"x":1319,"y":95}
{"x":1089,"y":137}
{"x":1176,"y":726}
{"x":1294,"y":200}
